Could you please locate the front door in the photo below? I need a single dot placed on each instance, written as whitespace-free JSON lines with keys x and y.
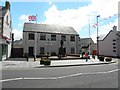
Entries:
{"x":31,"y":49}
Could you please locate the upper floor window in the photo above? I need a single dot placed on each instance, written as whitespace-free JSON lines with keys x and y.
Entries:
{"x":31,"y":36}
{"x":10,"y":24}
{"x":7,"y":19}
{"x":53,"y":37}
{"x":42,"y":37}
{"x":63,"y":37}
{"x":72,"y":38}
{"x":114,"y":43}
{"x":114,"y":40}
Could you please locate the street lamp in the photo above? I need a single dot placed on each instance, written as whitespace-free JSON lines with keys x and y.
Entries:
{"x":97,"y":38}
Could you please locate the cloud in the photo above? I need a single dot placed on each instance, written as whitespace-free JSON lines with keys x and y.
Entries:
{"x":78,"y":18}
{"x":22,"y":20}
{"x":17,"y":34}
{"x":68,"y":17}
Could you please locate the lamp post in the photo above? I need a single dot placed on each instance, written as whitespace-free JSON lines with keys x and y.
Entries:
{"x":97,"y":38}
{"x":89,"y":36}
{"x":35,"y":38}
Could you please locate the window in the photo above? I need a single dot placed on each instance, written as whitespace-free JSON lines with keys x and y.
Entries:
{"x":114,"y":47}
{"x":53,"y":37}
{"x":4,"y":49}
{"x":7,"y":19}
{"x":63,"y":37}
{"x":42,"y":50}
{"x":31,"y":36}
{"x":10,"y":24}
{"x":114,"y":40}
{"x":31,"y":51}
{"x":43,"y":37}
{"x":114,"y":44}
{"x":72,"y":50}
{"x":72,"y":38}
{"x":114,"y":50}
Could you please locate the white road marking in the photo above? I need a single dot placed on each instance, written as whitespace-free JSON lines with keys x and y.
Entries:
{"x":94,"y":73}
{"x":113,"y":70}
{"x":70,"y":75}
{"x":33,"y":78}
{"x":55,"y":78}
{"x":10,"y":79}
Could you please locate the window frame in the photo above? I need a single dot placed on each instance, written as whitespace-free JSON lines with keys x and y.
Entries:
{"x":63,"y":37}
{"x":72,"y":38}
{"x":53,"y":38}
{"x":42,"y":36}
{"x":30,"y":37}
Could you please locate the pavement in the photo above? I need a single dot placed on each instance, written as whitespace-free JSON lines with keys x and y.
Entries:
{"x":21,"y":63}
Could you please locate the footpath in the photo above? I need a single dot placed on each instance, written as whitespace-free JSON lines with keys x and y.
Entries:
{"x":21,"y":63}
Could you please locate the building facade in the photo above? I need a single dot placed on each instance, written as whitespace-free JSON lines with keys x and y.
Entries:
{"x":87,"y":45}
{"x":5,"y":31}
{"x":110,"y":44}
{"x":49,"y":38}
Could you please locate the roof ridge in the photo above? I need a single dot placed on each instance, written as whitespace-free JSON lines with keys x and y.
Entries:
{"x":50,"y":28}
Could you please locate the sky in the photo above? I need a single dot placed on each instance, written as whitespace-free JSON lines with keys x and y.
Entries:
{"x":79,"y":14}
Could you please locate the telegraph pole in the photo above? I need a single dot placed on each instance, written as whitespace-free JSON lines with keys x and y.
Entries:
{"x":97,"y":38}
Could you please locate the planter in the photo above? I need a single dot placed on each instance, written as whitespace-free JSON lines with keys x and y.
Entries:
{"x":47,"y":62}
{"x":101,"y":58}
{"x":41,"y":62}
{"x":108,"y":59}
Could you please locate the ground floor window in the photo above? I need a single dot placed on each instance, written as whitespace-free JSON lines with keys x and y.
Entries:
{"x":42,"y":50}
{"x":72,"y":50}
{"x":31,"y":51}
{"x":4,"y":49}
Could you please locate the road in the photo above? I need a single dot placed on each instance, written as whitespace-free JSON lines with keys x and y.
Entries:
{"x":93,"y":76}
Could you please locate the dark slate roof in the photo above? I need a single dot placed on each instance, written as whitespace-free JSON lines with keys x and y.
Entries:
{"x":118,"y":33}
{"x":86,"y":40}
{"x":101,"y":37}
{"x":3,"y":11}
{"x":17,"y":43}
{"x":48,"y":28}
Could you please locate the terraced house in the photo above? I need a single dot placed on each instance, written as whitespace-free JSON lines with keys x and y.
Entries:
{"x":48,"y":39}
{"x":5,"y":31}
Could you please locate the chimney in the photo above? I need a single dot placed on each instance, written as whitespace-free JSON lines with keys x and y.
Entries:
{"x":115,"y":28}
{"x":7,"y":5}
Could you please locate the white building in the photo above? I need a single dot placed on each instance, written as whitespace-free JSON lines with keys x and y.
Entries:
{"x":48,"y":39}
{"x":5,"y":31}
{"x":110,"y":44}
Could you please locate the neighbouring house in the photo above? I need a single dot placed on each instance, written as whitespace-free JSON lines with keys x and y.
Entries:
{"x":87,"y":45}
{"x":49,"y":38}
{"x":5,"y":31}
{"x":110,"y":44}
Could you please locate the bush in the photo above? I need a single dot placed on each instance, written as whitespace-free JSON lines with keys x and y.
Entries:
{"x":108,"y":59}
{"x":101,"y":58}
{"x":47,"y":62}
{"x":53,"y":54}
{"x":42,"y":62}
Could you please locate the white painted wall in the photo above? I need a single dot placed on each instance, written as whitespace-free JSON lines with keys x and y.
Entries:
{"x":106,"y":45}
{"x":53,"y":45}
{"x":7,"y":31}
